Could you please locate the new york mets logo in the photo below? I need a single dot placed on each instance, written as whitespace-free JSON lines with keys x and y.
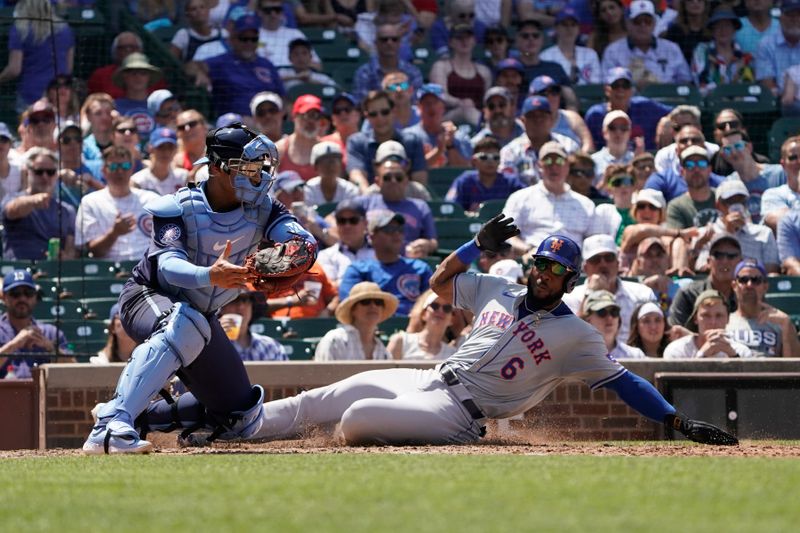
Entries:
{"x":556,"y":244}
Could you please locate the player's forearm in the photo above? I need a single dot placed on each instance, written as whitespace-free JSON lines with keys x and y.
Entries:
{"x":441,"y":281}
{"x":179,"y":272}
{"x":100,"y":246}
{"x":639,"y":394}
{"x":20,"y":207}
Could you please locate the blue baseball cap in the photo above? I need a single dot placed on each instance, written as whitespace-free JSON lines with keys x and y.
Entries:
{"x":227,"y":119}
{"x":247,"y":21}
{"x":567,"y":13}
{"x":113,"y":312}
{"x":18,"y":278}
{"x":535,"y":103}
{"x":288,"y":180}
{"x":618,"y":73}
{"x":750,"y":262}
{"x":345,"y":96}
{"x":161,"y":136}
{"x":157,"y":99}
{"x":541,"y":84}
{"x":510,"y":63}
{"x":430,"y":88}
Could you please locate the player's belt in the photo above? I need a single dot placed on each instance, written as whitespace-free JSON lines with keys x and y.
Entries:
{"x":451,"y":379}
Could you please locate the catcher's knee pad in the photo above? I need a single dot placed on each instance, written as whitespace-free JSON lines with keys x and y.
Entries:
{"x":179,"y":339}
{"x":241,"y":424}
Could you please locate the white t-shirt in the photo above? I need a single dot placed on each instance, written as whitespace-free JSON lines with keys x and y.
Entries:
{"x":586,"y":59}
{"x":181,"y":39}
{"x":344,"y":343}
{"x":344,"y":191}
{"x":144,"y":179}
{"x":12,"y":183}
{"x":96,"y":215}
{"x":793,"y":74}
{"x":274,"y":45}
{"x":685,"y":348}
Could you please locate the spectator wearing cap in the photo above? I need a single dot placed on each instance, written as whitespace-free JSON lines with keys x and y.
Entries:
{"x":25,"y":342}
{"x":112,"y":223}
{"x":368,"y":77}
{"x":345,"y":116}
{"x":668,"y":129}
{"x":780,"y":51}
{"x":159,"y":176}
{"x":779,"y":201}
{"x":649,"y":330}
{"x":499,"y":112}
{"x":34,"y":216}
{"x":650,"y":265}
{"x":613,"y":218}
{"x":696,"y":207}
{"x":581,"y":176}
{"x":123,"y":45}
{"x":737,"y":151}
{"x":644,"y":113}
{"x":191,"y":131}
{"x":295,"y":149}
{"x":601,"y":266}
{"x":10,"y":167}
{"x":519,"y":157}
{"x":77,"y":176}
{"x":757,"y":24}
{"x":443,"y":142}
{"x":404,"y":277}
{"x":37,"y":50}
{"x":164,"y":107}
{"x":352,"y":244}
{"x":38,"y":122}
{"x":510,"y":75}
{"x":617,"y":151}
{"x":274,"y":36}
{"x":289,"y":190}
{"x":300,"y":70}
{"x":393,"y":185}
{"x":725,"y":252}
{"x":673,"y":183}
{"x":710,"y":317}
{"x":496,"y":44}
{"x":251,"y":346}
{"x":328,"y":186}
{"x":565,"y":121}
{"x":484,"y":182}
{"x":788,"y":236}
{"x":651,"y":59}
{"x":135,"y":75}
{"x":549,"y":206}
{"x":461,"y":12}
{"x":767,"y":331}
{"x":756,"y":241}
{"x":234,"y":77}
{"x":581,"y":63}
{"x":198,"y":31}
{"x":737,"y":66}
{"x":268,"y":113}
{"x":362,"y":146}
{"x":463,"y":80}
{"x":601,"y":310}
{"x":228,"y":119}
{"x":642,"y":166}
{"x":529,"y":43}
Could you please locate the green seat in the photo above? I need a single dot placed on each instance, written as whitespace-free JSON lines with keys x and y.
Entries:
{"x":308,"y":328}
{"x":440,"y":179}
{"x":444,"y":209}
{"x":491,"y":208}
{"x":50,"y":309}
{"x":79,"y":330}
{"x":341,"y":50}
{"x":79,"y":288}
{"x":674,"y":94}
{"x":270,"y":327}
{"x":452,"y":233}
{"x":75,"y":268}
{"x":318,"y":36}
{"x":745,"y":98}
{"x":589,"y":94}
{"x":432,"y":260}
{"x":298,"y":349}
{"x":342,"y":72}
{"x":324,"y":92}
{"x":391,"y":325}
{"x":778,"y":284}
{"x":781,"y":129}
{"x":786,"y":302}
{"x":99,"y":308}
{"x":8,"y":266}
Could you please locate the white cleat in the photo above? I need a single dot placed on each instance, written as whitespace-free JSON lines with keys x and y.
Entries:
{"x":115,"y":438}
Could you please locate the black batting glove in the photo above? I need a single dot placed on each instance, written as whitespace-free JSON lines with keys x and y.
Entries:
{"x":494,"y":233}
{"x":699,"y":431}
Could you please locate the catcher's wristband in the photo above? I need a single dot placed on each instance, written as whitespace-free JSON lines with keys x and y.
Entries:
{"x":468,"y":252}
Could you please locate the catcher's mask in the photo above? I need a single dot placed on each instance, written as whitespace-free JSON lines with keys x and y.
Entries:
{"x":249,"y":157}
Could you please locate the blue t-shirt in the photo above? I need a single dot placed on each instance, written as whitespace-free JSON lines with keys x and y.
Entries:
{"x":361,"y":149}
{"x":38,"y":68}
{"x":235,"y":81}
{"x":405,"y":278}
{"x":644,"y":112}
{"x":460,"y":140}
{"x":468,"y":191}
{"x":419,"y":219}
{"x":672,"y":184}
{"x":27,"y":237}
{"x":24,"y":364}
{"x":137,"y":110}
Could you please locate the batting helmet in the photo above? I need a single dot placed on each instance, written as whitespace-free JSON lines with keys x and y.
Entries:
{"x":564,"y":251}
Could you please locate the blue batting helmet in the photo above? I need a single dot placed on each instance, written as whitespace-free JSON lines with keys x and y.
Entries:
{"x":564,"y":251}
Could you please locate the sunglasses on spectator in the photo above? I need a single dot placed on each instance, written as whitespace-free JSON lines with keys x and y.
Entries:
{"x":127,"y":131}
{"x":35,"y":121}
{"x":382,"y":112}
{"x":485,"y":156}
{"x":113,"y":167}
{"x":689,"y":165}
{"x":691,"y":140}
{"x":243,"y":39}
{"x":641,"y":206}
{"x":188,"y":125}
{"x":399,"y":177}
{"x":581,"y":173}
{"x":755,"y":280}
{"x":260,"y":112}
{"x":732,"y":124}
{"x":342,"y":110}
{"x":719,"y":254}
{"x":621,"y":181}
{"x":341,"y":221}
{"x":18,"y":293}
{"x":447,"y":308}
{"x":621,"y":84}
{"x":613,"y":127}
{"x":372,"y":301}
{"x":169,"y":110}
{"x":602,"y":313}
{"x":602,"y":258}
{"x":529,"y":35}
{"x":550,"y":161}
{"x":389,"y":39}
{"x":543,"y":265}
{"x":738,"y":146}
{"x":497,"y":106}
{"x":271,"y":9}
{"x":42,"y":171}
{"x":792,"y":157}
{"x":397,"y":87}
{"x":311,"y":115}
{"x":69,"y":139}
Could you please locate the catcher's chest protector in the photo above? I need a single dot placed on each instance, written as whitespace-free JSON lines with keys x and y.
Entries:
{"x":206,"y":233}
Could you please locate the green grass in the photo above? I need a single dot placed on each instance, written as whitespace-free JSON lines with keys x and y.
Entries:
{"x":375,"y":492}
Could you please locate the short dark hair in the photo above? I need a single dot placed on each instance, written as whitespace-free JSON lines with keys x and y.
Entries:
{"x":732,"y":133}
{"x":529,"y":22}
{"x":117,"y":151}
{"x":373,"y":96}
{"x":787,"y":143}
{"x":299,"y":42}
{"x":580,"y":158}
{"x":487,"y":143}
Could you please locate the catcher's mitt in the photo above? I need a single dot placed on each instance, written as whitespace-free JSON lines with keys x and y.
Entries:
{"x":280,"y":265}
{"x":700,"y":431}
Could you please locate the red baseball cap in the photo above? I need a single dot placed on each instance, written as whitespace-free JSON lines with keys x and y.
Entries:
{"x":306,"y":103}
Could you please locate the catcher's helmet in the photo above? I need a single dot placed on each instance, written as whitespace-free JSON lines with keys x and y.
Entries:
{"x":565,"y":251}
{"x":251,"y":157}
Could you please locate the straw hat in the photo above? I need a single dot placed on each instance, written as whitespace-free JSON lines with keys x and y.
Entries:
{"x":366,"y":290}
{"x":136,"y":61}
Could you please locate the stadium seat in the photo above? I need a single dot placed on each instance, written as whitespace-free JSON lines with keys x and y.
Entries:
{"x":8,"y":266}
{"x":454,"y":232}
{"x":79,"y":330}
{"x":317,"y":36}
{"x":440,"y":179}
{"x":444,"y":209}
{"x":99,"y":308}
{"x":79,"y":288}
{"x":342,"y":72}
{"x":74,"y":268}
{"x":784,"y":284}
{"x":490,"y":208}
{"x":781,"y":129}
{"x":298,"y":349}
{"x":744,"y":97}
{"x":342,"y":50}
{"x":324,"y":92}
{"x":589,"y":94}
{"x":308,"y":328}
{"x":786,"y":302}
{"x":50,"y":309}
{"x":270,"y":327}
{"x":391,"y":325}
{"x":674,"y":94}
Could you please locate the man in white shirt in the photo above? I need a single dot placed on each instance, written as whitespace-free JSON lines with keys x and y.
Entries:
{"x":328,"y":186}
{"x":160,"y":177}
{"x":353,"y":245}
{"x":274,"y":36}
{"x":112,"y":222}
{"x":778,"y":201}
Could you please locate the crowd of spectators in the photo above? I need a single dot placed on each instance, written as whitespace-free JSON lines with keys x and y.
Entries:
{"x":680,"y":233}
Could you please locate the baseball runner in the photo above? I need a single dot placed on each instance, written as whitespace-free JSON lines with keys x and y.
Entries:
{"x":524,"y":342}
{"x":200,"y":236}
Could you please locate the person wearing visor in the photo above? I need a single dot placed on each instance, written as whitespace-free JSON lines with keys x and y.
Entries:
{"x":200,"y":238}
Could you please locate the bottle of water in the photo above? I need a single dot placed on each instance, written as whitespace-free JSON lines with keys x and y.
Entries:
{"x":11,"y":372}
